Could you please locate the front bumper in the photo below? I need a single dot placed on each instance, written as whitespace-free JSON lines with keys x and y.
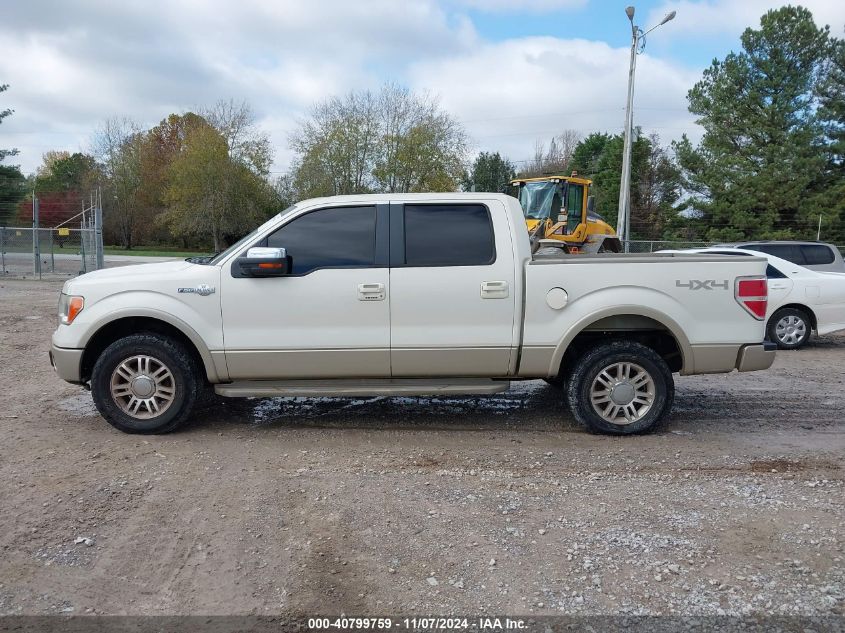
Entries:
{"x":67,"y":363}
{"x":756,"y":357}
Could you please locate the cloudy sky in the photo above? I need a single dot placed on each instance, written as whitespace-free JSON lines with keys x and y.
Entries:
{"x":513,"y":71}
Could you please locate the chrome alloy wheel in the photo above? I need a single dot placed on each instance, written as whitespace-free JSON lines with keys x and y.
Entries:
{"x":622,"y":393}
{"x":143,"y":387}
{"x":790,"y":329}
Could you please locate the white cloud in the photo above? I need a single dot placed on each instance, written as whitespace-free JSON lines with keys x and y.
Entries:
{"x":513,"y":93}
{"x":522,"y":6}
{"x":70,"y":67}
{"x":706,"y":18}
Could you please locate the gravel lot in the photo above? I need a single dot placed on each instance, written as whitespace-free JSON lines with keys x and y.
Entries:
{"x":422,"y":505}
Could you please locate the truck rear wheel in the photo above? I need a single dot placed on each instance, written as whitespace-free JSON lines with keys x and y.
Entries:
{"x":620,"y":388}
{"x":145,"y":383}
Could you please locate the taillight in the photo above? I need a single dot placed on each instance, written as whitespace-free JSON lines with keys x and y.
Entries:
{"x":752,"y":293}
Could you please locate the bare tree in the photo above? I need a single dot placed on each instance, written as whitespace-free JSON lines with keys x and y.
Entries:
{"x":236,"y":122}
{"x":557,"y":158}
{"x":117,"y":147}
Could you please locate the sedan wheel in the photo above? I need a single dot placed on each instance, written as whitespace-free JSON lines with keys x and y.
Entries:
{"x":790,"y":329}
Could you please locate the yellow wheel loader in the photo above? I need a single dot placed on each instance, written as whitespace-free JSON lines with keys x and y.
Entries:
{"x":559,"y":214}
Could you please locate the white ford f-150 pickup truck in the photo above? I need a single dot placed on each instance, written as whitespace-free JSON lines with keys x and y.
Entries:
{"x":407,"y":294}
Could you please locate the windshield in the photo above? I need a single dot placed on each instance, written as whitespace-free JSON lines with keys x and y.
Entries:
{"x":241,"y":242}
{"x":540,"y":200}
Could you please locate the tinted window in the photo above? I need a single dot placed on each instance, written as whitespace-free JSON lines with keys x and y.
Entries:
{"x":448,"y":235}
{"x":816,"y":254}
{"x":342,"y":237}
{"x":788,"y":252}
{"x":774,"y":273}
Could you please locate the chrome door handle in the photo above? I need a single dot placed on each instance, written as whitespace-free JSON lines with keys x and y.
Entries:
{"x":371,"y":292}
{"x":495,"y":290}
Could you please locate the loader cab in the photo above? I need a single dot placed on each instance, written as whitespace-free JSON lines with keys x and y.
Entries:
{"x":553,"y":201}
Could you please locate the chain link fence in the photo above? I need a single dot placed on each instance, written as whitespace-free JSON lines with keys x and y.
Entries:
{"x":54,"y":253}
{"x":28,"y":253}
{"x":651,"y":246}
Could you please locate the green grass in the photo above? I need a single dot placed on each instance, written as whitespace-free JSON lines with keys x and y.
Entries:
{"x":152,"y":251}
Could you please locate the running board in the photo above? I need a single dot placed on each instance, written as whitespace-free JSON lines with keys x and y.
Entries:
{"x":344,"y":388}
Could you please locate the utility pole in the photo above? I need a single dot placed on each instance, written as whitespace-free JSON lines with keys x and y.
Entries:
{"x":98,"y":229}
{"x":623,"y":218}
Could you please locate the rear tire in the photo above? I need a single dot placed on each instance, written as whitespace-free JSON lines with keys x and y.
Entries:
{"x":789,"y":328}
{"x":146,"y":383}
{"x":620,"y":388}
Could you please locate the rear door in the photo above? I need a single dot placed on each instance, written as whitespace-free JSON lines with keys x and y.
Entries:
{"x":452,"y":286}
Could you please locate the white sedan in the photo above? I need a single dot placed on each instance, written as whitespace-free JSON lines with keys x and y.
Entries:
{"x":800,"y":300}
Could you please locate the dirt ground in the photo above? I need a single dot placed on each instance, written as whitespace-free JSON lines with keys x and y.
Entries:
{"x":422,"y":505}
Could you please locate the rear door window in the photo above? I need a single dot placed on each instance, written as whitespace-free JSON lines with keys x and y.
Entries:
{"x":817,"y":254}
{"x":774,"y":273}
{"x":789,"y":252}
{"x":448,"y":235}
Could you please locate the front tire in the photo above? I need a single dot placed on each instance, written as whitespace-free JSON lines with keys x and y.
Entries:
{"x":789,"y":328}
{"x":620,"y":388}
{"x":146,"y":383}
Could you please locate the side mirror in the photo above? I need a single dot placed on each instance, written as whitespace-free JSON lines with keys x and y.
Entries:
{"x":264,"y":262}
{"x":591,"y":204}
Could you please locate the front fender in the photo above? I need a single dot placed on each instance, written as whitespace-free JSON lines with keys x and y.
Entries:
{"x":199,"y":322}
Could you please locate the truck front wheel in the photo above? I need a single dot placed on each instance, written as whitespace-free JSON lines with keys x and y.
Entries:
{"x":145,"y":383}
{"x":620,"y":388}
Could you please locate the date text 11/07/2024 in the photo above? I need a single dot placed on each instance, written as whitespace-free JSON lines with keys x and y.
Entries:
{"x":347,"y":623}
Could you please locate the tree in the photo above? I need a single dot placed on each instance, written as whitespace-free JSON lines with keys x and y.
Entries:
{"x":337,"y":146}
{"x":760,"y":164}
{"x":211,"y":194}
{"x":236,"y":123}
{"x":117,"y":146}
{"x":62,"y":171}
{"x":655,"y":181}
{"x":832,"y":112}
{"x":656,"y":193}
{"x":395,"y":141}
{"x":12,"y":191}
{"x":4,"y":153}
{"x":490,"y":172}
{"x":554,"y":160}
{"x":12,"y":181}
{"x":160,"y":146}
{"x":588,"y":152}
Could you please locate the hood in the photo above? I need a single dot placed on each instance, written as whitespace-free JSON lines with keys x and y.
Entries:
{"x":153,"y":271}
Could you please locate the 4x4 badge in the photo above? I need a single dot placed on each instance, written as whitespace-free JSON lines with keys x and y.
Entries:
{"x":707,"y":284}
{"x":203,"y":290}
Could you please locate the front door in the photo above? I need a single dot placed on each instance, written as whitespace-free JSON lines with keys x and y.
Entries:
{"x":452,"y":290}
{"x":330,"y":317}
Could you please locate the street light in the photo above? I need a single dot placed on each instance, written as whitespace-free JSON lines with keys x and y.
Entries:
{"x":623,"y":219}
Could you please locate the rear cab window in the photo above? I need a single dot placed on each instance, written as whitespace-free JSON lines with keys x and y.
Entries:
{"x":448,"y":235}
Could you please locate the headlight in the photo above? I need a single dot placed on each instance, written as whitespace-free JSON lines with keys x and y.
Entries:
{"x":69,"y":307}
